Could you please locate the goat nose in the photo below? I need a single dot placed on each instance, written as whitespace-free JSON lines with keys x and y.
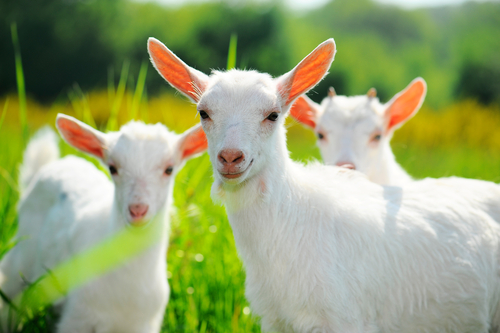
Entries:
{"x":347,"y":165}
{"x":138,"y":211}
{"x":230,"y":156}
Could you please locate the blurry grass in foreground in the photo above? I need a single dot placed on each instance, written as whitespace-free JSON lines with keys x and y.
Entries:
{"x":205,"y":274}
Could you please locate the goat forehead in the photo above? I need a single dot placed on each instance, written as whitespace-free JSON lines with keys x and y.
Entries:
{"x":140,"y":131}
{"x":134,"y":154}
{"x":242,"y":78}
{"x":239,"y":92}
{"x":139,"y":148}
{"x":351,"y":112}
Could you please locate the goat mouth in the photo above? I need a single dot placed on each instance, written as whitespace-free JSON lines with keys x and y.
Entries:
{"x":346,"y":165}
{"x":138,"y":222}
{"x":236,"y":175}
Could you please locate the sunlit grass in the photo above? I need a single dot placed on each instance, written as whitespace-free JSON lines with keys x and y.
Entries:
{"x":231,"y":57}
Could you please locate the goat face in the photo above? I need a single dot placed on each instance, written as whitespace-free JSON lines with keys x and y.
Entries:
{"x":240,"y":130}
{"x":142,"y":160}
{"x":350,"y":132}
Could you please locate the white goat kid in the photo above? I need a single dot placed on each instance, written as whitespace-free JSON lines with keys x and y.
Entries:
{"x":70,"y":205}
{"x":355,"y":132}
{"x":325,"y":249}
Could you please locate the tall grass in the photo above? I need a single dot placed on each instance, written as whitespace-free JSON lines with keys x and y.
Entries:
{"x":117,"y":98}
{"x":80,"y":103}
{"x":139,"y":91}
{"x":21,"y":90}
{"x":4,"y":112}
{"x":231,"y":58}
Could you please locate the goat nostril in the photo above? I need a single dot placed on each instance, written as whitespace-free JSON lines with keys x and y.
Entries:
{"x":231,"y":156}
{"x":237,"y":159}
{"x":138,"y":211}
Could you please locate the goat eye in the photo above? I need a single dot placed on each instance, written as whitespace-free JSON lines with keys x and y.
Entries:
{"x":377,"y":137}
{"x":112,"y":170}
{"x":168,"y":171}
{"x":203,"y":114}
{"x":273,"y":116}
{"x":321,"y":136}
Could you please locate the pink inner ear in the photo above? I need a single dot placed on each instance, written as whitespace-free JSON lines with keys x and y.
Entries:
{"x":175,"y":71}
{"x":309,"y":71}
{"x":406,"y":104}
{"x":80,"y":138}
{"x":195,"y":142}
{"x":303,"y":112}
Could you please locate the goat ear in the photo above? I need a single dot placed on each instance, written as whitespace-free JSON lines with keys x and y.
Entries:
{"x":192,"y":142}
{"x":405,"y":104}
{"x":187,"y":80}
{"x":81,"y":136}
{"x":307,"y":73}
{"x":305,"y":111}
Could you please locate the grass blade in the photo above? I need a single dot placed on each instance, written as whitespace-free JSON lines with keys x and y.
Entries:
{"x":112,"y":124}
{"x":85,"y":266}
{"x":80,"y":104}
{"x":7,"y":300}
{"x":21,"y":89}
{"x":9,"y":179}
{"x":231,"y":56}
{"x":139,"y":89}
{"x":4,"y":112}
{"x":111,"y":86}
{"x":145,"y":110}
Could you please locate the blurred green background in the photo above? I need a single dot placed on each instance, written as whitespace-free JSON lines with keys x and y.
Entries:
{"x":67,"y":42}
{"x":88,"y":58}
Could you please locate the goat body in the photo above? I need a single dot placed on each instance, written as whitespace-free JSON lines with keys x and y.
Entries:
{"x":338,"y":254}
{"x":70,"y":205}
{"x":326,"y":250}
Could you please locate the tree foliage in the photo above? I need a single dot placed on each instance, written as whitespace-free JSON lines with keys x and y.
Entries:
{"x":80,"y":41}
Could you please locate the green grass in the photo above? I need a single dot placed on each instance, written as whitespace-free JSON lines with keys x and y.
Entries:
{"x":444,"y":162}
{"x":21,"y":89}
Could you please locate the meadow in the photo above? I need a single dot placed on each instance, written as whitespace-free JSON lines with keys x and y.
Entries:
{"x":205,"y":274}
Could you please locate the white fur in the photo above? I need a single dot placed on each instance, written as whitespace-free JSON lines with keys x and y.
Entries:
{"x":41,"y":150}
{"x":70,"y":206}
{"x":325,"y":249}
